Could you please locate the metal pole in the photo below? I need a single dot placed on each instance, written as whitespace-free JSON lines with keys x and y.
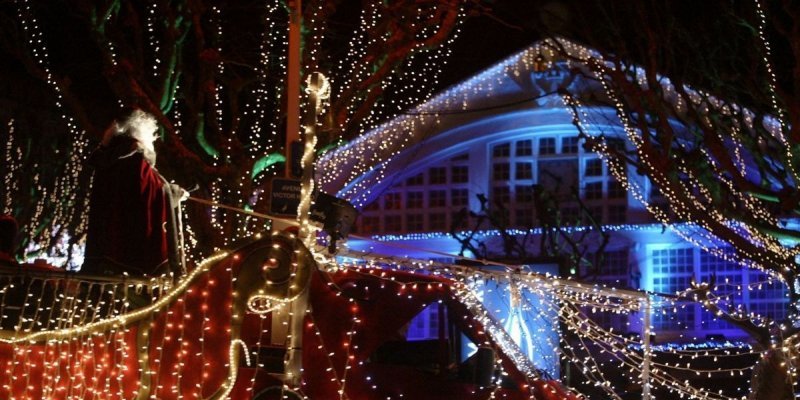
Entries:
{"x":646,"y":351}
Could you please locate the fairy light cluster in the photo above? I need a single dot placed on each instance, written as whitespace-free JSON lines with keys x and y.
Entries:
{"x":63,"y":193}
{"x":109,"y":337}
{"x":575,"y":306}
{"x":693,"y":201}
{"x":151,"y":36}
{"x":74,"y":333}
{"x":572,"y":304}
{"x":685,"y":203}
{"x":12,"y":153}
{"x":260,"y":132}
{"x":257,"y":107}
{"x":413,"y":85}
{"x":361,"y":165}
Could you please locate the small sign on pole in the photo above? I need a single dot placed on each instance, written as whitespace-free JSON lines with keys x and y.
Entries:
{"x":285,"y":197}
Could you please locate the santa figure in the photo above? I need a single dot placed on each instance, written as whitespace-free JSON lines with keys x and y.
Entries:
{"x":130,"y":203}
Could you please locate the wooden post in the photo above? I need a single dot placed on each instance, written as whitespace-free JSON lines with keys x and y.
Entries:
{"x":646,"y":350}
{"x":294,"y":360}
{"x":293,"y":73}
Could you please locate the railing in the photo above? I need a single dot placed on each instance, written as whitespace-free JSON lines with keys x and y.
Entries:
{"x":33,"y":299}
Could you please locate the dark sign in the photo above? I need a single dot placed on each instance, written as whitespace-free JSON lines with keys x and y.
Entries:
{"x":285,"y":197}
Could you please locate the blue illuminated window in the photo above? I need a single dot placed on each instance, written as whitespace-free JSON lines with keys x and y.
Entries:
{"x":437,"y":198}
{"x":437,"y":175}
{"x":501,"y":194}
{"x":416,"y":180}
{"x":617,"y":214}
{"x":524,"y":148}
{"x":569,"y":145}
{"x":616,"y":190}
{"x":414,"y":222}
{"x":501,"y":172}
{"x":438,"y":222}
{"x":460,"y":174}
{"x":523,"y":217}
{"x":593,"y":167}
{"x":393,"y":223}
{"x":459,"y":197}
{"x":523,"y":193}
{"x":425,"y":325}
{"x":524,"y":171}
{"x":414,"y":199}
{"x":547,"y":146}
{"x":673,"y":271}
{"x":370,"y":224}
{"x":392,"y":201}
{"x":593,"y":191}
{"x":501,"y":150}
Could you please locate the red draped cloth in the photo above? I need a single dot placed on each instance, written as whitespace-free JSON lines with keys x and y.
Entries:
{"x":127,"y":212}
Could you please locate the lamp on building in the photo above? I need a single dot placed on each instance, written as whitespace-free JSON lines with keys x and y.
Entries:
{"x":336,"y":215}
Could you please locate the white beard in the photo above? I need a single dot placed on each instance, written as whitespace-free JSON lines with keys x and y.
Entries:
{"x":149,"y":154}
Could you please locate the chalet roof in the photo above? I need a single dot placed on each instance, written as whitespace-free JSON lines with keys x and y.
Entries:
{"x":516,"y":96}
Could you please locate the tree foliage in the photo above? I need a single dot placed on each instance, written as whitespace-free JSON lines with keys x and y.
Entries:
{"x":711,"y":113}
{"x":213,"y":73}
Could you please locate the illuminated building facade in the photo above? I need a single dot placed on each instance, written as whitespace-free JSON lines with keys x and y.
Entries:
{"x":500,"y":133}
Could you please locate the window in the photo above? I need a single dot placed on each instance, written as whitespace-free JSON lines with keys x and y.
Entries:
{"x":419,"y":345}
{"x":459,"y":220}
{"x":500,"y":194}
{"x":416,"y":180}
{"x":392,"y":201}
{"x":671,"y":262}
{"x":414,"y":222}
{"x":617,"y":214}
{"x":616,"y":190}
{"x":437,"y":198}
{"x":370,"y":224}
{"x":558,"y":176}
{"x":459,"y":197}
{"x":547,"y":146}
{"x":615,"y":264}
{"x":524,"y":171}
{"x":728,"y":275}
{"x":393,"y":223}
{"x":728,"y":291}
{"x":500,"y":172}
{"x":438,"y":222}
{"x":593,"y":167}
{"x":523,"y":217}
{"x":438,"y":175}
{"x":569,"y":145}
{"x":501,"y":150}
{"x":523,"y":193}
{"x":524,"y":148}
{"x":768,"y":297}
{"x":460,"y":174}
{"x":596,"y":213}
{"x":425,"y":325}
{"x":414,"y":199}
{"x":593,"y":191}
{"x":372,"y":206}
{"x":673,"y":270}
{"x":570,"y":215}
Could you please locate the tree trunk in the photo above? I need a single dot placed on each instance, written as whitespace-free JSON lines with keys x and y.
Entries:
{"x":770,"y":379}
